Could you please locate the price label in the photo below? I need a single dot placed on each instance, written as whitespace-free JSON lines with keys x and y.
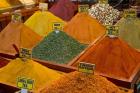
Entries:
{"x":16,"y":17}
{"x":112,"y":31}
{"x":43,"y":6}
{"x":83,"y":8}
{"x":130,"y":13}
{"x":103,"y":1}
{"x":24,"y":83}
{"x":86,"y":67}
{"x":25,"y":53}
{"x":57,"y":26}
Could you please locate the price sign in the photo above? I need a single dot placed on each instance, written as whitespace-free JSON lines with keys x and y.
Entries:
{"x":43,"y":6}
{"x":130,"y":13}
{"x":16,"y":17}
{"x":24,"y":83}
{"x":57,"y":26}
{"x":25,"y":53}
{"x":103,"y":1}
{"x":112,"y":31}
{"x":86,"y":67}
{"x":83,"y":8}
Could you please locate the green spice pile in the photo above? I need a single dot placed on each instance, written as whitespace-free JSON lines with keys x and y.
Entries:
{"x":77,"y":82}
{"x":130,"y":31}
{"x":58,"y":47}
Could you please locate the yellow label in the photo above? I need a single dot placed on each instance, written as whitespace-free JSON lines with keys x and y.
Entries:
{"x":24,"y":83}
{"x":16,"y":17}
{"x":57,"y":26}
{"x":83,"y":8}
{"x":86,"y":67}
{"x":43,"y":6}
{"x":25,"y":53}
{"x":132,"y":13}
{"x":103,"y":1}
{"x":112,"y":30}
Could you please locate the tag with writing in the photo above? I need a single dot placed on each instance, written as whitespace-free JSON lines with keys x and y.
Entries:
{"x":112,"y":31}
{"x":86,"y":67}
{"x":43,"y":6}
{"x":130,"y":13}
{"x":83,"y":8}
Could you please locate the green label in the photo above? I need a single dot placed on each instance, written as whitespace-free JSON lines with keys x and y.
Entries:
{"x":103,"y":1}
{"x":57,"y":26}
{"x":16,"y":17}
{"x":130,"y":13}
{"x":43,"y":6}
{"x":112,"y":30}
{"x":83,"y":8}
{"x":25,"y":53}
{"x":86,"y":67}
{"x":24,"y":83}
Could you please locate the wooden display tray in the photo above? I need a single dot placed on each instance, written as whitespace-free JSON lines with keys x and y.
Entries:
{"x":126,"y":83}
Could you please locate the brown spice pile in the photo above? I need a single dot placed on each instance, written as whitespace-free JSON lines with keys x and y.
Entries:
{"x":77,"y":82}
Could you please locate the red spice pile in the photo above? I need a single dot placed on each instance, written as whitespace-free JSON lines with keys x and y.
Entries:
{"x":113,"y":57}
{"x":64,"y":9}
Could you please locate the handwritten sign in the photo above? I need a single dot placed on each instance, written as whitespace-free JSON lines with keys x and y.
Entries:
{"x":24,"y":83}
{"x":83,"y":8}
{"x":112,"y":31}
{"x":57,"y":26}
{"x":86,"y":67}
{"x":25,"y":53}
{"x":130,"y":13}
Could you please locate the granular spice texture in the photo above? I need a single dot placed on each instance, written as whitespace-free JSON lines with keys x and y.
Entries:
{"x":77,"y":82}
{"x":19,"y":35}
{"x":42,"y":22}
{"x":64,"y":9}
{"x":29,"y":69}
{"x":113,"y":57}
{"x":129,"y":29}
{"x":58,"y":47}
{"x":84,"y":28}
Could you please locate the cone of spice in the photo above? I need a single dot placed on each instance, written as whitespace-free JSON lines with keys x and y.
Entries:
{"x":130,"y":31}
{"x":18,"y":34}
{"x":113,"y":58}
{"x":64,"y":9}
{"x":58,"y":47}
{"x":42,"y":22}
{"x":4,"y":4}
{"x":77,"y":82}
{"x":84,"y":28}
{"x":105,"y":13}
{"x":29,"y":69}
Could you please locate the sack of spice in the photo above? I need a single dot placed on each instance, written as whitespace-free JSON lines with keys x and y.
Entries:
{"x":129,"y":29}
{"x":58,"y":47}
{"x":64,"y":9}
{"x":77,"y":82}
{"x":18,"y":34}
{"x":84,"y":28}
{"x":42,"y":22}
{"x":113,"y":58}
{"x":105,"y":13}
{"x":29,"y":69}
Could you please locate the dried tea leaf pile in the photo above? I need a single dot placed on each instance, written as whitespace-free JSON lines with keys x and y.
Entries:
{"x":84,"y":28}
{"x":113,"y":58}
{"x":18,"y":34}
{"x":42,"y":22}
{"x":130,"y":31}
{"x":64,"y":9}
{"x":77,"y":82}
{"x":58,"y":47}
{"x":29,"y":69}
